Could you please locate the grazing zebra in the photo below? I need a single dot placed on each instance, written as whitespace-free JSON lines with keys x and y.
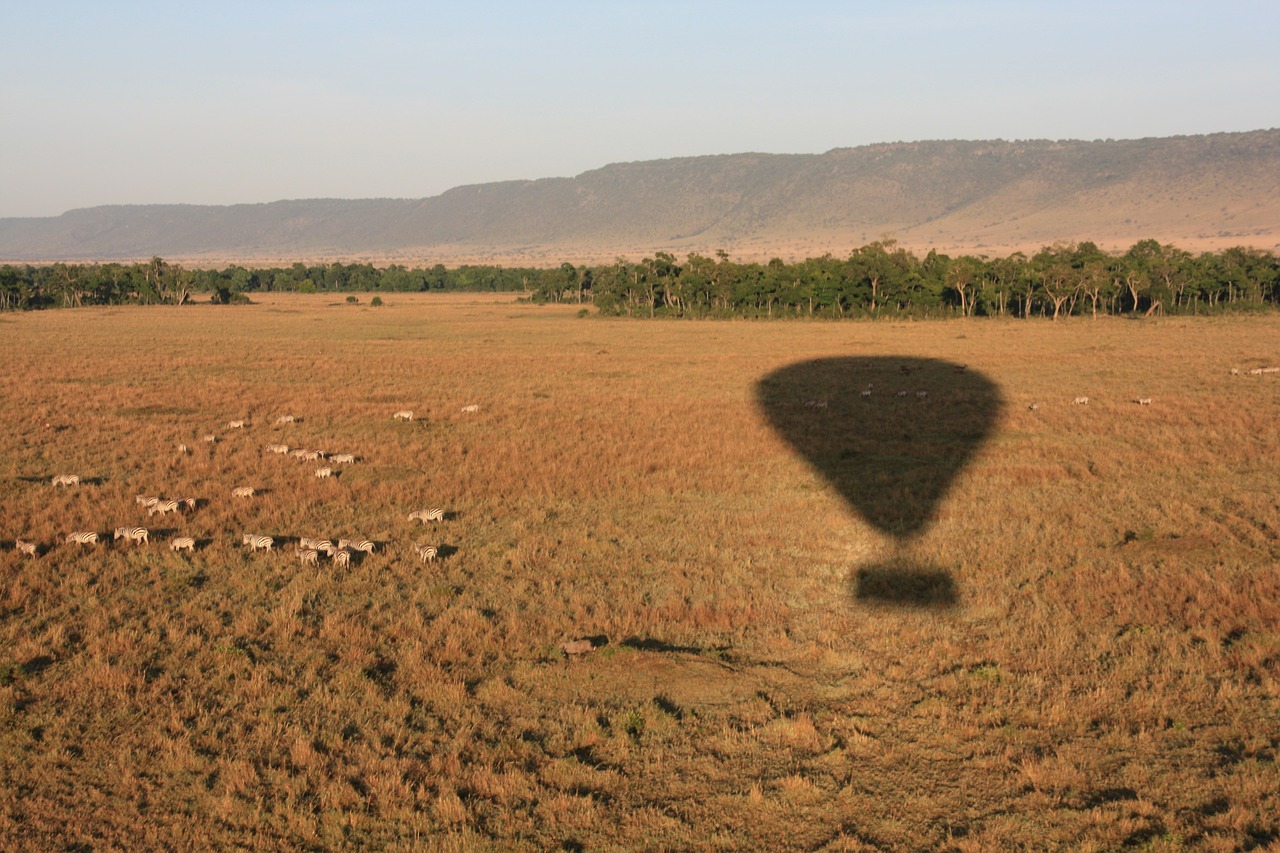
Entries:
{"x":865,"y":392}
{"x":426,"y":553}
{"x":189,"y":503}
{"x":815,"y":404}
{"x":66,"y":480}
{"x":1080,"y":401}
{"x":403,"y":415}
{"x":323,"y":545}
{"x":902,"y":393}
{"x":235,"y":424}
{"x":364,"y":545}
{"x":210,"y":438}
{"x":922,"y":394}
{"x":84,"y":537}
{"x":298,"y":453}
{"x":341,"y":558}
{"x":285,"y":419}
{"x":472,"y":408}
{"x":343,"y":457}
{"x":1143,"y":401}
{"x":324,"y":473}
{"x":309,"y":556}
{"x":146,"y":502}
{"x":425,"y":515}
{"x":312,"y":455}
{"x":1034,"y":407}
{"x":180,"y":543}
{"x":257,"y":543}
{"x":277,"y":448}
{"x":182,"y":450}
{"x":1235,"y":371}
{"x":28,"y":548}
{"x":133,"y":534}
{"x":162,"y":507}
{"x":242,"y":492}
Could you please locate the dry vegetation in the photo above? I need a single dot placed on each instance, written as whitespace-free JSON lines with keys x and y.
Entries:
{"x":1107,"y":675}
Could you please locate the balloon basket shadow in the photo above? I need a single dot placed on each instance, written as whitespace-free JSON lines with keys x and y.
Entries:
{"x":904,"y":583}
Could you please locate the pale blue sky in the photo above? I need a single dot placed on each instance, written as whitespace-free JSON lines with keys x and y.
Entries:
{"x":225,"y":102}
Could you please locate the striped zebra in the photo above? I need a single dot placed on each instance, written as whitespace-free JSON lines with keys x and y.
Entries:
{"x":312,"y":455}
{"x":235,"y":424}
{"x":28,"y":548}
{"x":258,"y":543}
{"x":1034,"y":407}
{"x":324,"y":473}
{"x":1080,"y":401}
{"x":340,"y":458}
{"x":146,"y":501}
{"x":425,"y":515}
{"x":309,"y":556}
{"x":189,"y":503}
{"x":183,"y":450}
{"x":471,"y":408}
{"x":242,"y":492}
{"x":84,"y":537}
{"x":426,"y":553}
{"x":342,"y":558}
{"x":364,"y":545}
{"x":277,"y":448}
{"x":133,"y":534}
{"x":209,"y":439}
{"x":182,"y":543}
{"x":323,"y":545}
{"x":403,"y":415}
{"x":285,"y":419}
{"x":162,"y":507}
{"x":66,"y":480}
{"x":1143,"y":401}
{"x":922,"y":394}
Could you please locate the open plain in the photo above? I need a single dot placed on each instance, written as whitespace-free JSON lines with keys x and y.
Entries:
{"x":1075,"y":643}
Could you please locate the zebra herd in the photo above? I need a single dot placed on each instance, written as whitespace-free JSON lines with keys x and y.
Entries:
{"x":308,"y":549}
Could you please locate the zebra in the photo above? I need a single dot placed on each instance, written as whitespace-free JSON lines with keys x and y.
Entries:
{"x":133,"y":534}
{"x":922,"y":394}
{"x":209,"y":439}
{"x":84,"y":537}
{"x":1143,"y":401}
{"x":343,"y":457}
{"x":324,"y":545}
{"x":403,"y":415}
{"x":179,"y":543}
{"x":364,"y":545}
{"x":341,"y":558}
{"x":426,"y":553}
{"x":235,"y":424}
{"x":1080,"y":401}
{"x":146,"y":502}
{"x":277,"y":448}
{"x":285,"y":419}
{"x":162,"y":507}
{"x":324,"y":473}
{"x":66,"y":480}
{"x":309,"y":556}
{"x":425,"y":515}
{"x":256,"y":542}
{"x":189,"y":503}
{"x":298,"y":453}
{"x":312,"y":455}
{"x":902,"y":393}
{"x":865,"y":392}
{"x":242,"y":492}
{"x":183,"y":450}
{"x":28,"y":548}
{"x":472,"y":408}
{"x":1034,"y":407}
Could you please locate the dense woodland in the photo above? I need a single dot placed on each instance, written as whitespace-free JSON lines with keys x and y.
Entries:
{"x":877,"y":279}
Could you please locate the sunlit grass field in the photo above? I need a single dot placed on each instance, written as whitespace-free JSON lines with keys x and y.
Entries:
{"x":1105,"y":672}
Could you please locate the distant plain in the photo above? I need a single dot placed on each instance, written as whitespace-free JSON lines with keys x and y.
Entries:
{"x":1105,"y":672}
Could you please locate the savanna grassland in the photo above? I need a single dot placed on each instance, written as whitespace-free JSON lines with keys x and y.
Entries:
{"x":1103,"y":672}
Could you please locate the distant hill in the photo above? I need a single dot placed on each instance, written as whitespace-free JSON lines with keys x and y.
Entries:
{"x":991,"y":197}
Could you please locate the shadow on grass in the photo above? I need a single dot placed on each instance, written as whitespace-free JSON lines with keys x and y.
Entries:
{"x":890,"y":434}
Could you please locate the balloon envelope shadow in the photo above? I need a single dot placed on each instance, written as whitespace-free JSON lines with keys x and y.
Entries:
{"x":890,"y":434}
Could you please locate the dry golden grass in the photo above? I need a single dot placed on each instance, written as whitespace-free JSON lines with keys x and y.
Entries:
{"x":1107,"y":677}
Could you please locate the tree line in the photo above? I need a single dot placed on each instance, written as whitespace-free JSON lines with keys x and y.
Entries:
{"x":879,"y":279}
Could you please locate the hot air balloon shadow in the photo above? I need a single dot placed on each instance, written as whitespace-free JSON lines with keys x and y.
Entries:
{"x":890,"y":434}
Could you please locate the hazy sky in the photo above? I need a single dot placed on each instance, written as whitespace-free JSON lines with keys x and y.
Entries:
{"x":222,"y":101}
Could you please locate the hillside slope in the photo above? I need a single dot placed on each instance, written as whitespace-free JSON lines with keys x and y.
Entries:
{"x":983,"y":196}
